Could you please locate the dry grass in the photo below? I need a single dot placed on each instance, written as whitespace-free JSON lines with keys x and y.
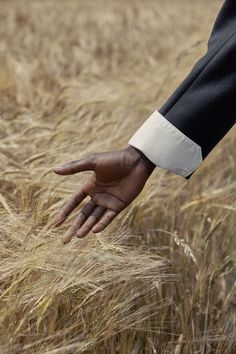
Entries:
{"x":78,"y":77}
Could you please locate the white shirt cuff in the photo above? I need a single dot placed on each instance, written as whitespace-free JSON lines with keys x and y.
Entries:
{"x":166,"y":146}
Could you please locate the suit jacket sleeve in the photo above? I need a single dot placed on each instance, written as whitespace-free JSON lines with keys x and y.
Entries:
{"x":201,"y":111}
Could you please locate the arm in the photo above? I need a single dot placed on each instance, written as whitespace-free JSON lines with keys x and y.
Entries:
{"x":201,"y":110}
{"x":177,"y":138}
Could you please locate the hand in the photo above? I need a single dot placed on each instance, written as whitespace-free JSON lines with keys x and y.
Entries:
{"x":117,"y":179}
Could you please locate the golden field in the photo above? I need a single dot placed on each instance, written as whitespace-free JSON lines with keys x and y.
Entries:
{"x":78,"y":77}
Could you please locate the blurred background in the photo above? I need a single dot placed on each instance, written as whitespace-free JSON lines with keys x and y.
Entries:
{"x":78,"y":77}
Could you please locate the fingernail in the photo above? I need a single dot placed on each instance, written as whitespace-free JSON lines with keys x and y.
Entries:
{"x":66,"y":240}
{"x":95,"y":229}
{"x":67,"y":237}
{"x":55,"y":221}
{"x":57,"y":168}
{"x":80,"y":234}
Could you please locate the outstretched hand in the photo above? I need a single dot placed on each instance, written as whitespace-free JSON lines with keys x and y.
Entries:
{"x":117,"y":179}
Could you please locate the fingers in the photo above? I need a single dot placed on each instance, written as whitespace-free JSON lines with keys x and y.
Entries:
{"x":72,"y":203}
{"x":91,"y":217}
{"x":105,"y":221}
{"x":87,"y":212}
{"x":96,"y":215}
{"x":76,"y":166}
{"x":82,"y":216}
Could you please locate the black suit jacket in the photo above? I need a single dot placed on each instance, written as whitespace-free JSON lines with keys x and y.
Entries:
{"x":204,"y":105}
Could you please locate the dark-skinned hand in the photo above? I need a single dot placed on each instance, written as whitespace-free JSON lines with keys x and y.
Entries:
{"x":117,"y":179}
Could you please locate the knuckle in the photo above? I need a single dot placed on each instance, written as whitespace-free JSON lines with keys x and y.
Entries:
{"x":74,"y":198}
{"x":94,"y":157}
{"x":102,"y":225}
{"x":82,"y":215}
{"x":108,"y":218}
{"x":93,"y":218}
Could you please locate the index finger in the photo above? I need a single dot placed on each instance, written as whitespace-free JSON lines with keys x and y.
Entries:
{"x":72,"y":203}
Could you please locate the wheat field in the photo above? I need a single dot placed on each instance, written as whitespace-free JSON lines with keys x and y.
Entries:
{"x":77,"y":77}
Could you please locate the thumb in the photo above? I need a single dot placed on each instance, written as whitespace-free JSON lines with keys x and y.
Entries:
{"x":87,"y":164}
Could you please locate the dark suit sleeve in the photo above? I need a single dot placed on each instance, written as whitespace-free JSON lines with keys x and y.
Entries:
{"x":201,"y":111}
{"x":204,"y":106}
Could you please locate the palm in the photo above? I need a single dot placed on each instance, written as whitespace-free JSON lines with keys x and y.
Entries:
{"x":114,"y":182}
{"x":117,"y":178}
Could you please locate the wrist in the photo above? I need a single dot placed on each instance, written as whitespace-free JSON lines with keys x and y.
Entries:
{"x":140,"y":157}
